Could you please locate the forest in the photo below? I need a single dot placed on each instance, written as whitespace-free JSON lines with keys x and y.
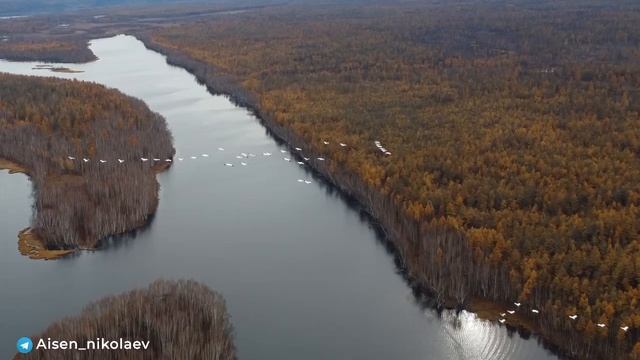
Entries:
{"x":514,"y":135}
{"x":181,"y":320}
{"x":43,"y":39}
{"x":49,"y":126}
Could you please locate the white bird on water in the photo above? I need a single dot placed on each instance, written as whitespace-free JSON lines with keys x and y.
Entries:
{"x":85,"y":159}
{"x":343,"y":144}
{"x":194,"y":157}
{"x":238,"y":157}
{"x":168,"y":160}
{"x":516,"y":304}
{"x":144,"y":159}
{"x":535,"y":311}
{"x":156,"y":159}
{"x":511,"y":312}
{"x":71,"y":157}
{"x":120,"y":161}
{"x":283,"y":151}
{"x":103,"y":161}
{"x":321,"y":158}
{"x":306,"y":158}
{"x":300,"y":180}
{"x":502,"y":321}
{"x":287,"y":159}
{"x":228,"y":164}
{"x":624,"y":328}
{"x":325,"y":142}
{"x":601,"y":325}
{"x":298,"y":149}
{"x":307,"y":182}
{"x":221,"y":149}
{"x":243,"y":163}
{"x":266,"y":153}
{"x":180,"y":159}
{"x":205,"y":155}
{"x":387,"y":153}
{"x":300,"y":163}
{"x":573,"y":317}
{"x":244,"y":154}
{"x":252,"y":155}
{"x":503,"y":314}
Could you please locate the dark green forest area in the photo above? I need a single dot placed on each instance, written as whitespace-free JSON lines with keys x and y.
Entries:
{"x":514,"y":135}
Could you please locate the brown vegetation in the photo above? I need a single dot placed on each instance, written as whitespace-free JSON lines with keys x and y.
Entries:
{"x":180,"y":319}
{"x":77,"y":204}
{"x":12,"y":167}
{"x":514,"y":136}
{"x":29,"y":244}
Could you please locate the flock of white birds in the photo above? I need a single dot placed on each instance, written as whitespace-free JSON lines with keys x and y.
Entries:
{"x":243,"y":157}
{"x":503,"y":316}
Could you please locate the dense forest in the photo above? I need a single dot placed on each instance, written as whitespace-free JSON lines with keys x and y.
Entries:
{"x":180,"y":319}
{"x":45,"y":121}
{"x":513,"y":132}
{"x":68,"y":50}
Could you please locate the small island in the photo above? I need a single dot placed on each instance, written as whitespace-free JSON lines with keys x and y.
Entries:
{"x":80,"y":144}
{"x":169,"y":320}
{"x":59,"y":69}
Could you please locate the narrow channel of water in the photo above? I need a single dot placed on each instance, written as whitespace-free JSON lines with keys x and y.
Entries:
{"x":303,"y":273}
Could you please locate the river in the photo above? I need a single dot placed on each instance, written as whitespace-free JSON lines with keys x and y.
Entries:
{"x":304,"y":273}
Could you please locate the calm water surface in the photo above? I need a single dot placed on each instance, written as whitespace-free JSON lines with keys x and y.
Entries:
{"x":304,"y":275}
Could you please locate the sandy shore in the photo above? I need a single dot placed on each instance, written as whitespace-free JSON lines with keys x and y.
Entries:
{"x":13,"y":168}
{"x":29,"y":244}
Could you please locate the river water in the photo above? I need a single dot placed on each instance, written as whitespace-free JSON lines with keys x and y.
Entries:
{"x":304,"y":274}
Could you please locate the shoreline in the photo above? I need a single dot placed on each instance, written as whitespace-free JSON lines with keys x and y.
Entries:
{"x":374,"y":204}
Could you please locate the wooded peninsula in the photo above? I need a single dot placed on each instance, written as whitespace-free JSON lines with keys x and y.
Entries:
{"x":179,"y":319}
{"x":514,"y":138}
{"x":78,"y":203}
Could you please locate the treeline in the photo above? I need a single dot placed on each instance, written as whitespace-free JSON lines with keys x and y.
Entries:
{"x":77,"y":203}
{"x":180,"y":319}
{"x":514,"y":133}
